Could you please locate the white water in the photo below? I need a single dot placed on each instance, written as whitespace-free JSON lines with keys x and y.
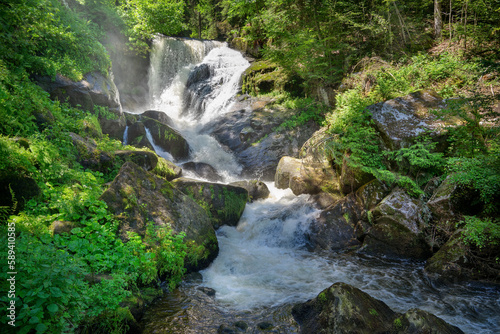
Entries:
{"x":263,"y":262}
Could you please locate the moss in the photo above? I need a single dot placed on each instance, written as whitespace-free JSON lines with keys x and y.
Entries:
{"x":167,"y":190}
{"x":163,"y":170}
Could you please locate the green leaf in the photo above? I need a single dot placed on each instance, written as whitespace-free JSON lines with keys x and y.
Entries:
{"x":34,"y":320}
{"x":40,"y":328}
{"x":53,"y":308}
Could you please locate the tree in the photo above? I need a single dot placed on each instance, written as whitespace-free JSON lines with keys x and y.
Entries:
{"x":438,"y":20}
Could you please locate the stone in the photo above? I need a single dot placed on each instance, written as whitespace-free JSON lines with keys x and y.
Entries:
{"x":394,"y":240}
{"x":136,"y":197}
{"x":335,"y":229}
{"x":94,"y":90}
{"x":145,"y":159}
{"x":59,"y":227}
{"x":372,"y":193}
{"x":256,"y":189}
{"x":223,"y":203}
{"x":160,"y":116}
{"x":89,"y":156}
{"x":203,"y":170}
{"x":401,"y":120}
{"x":167,"y":169}
{"x":114,"y":128}
{"x":305,"y":178}
{"x":167,"y":138}
{"x":405,"y":210}
{"x":351,"y":179}
{"x":449,"y":262}
{"x":343,"y":309}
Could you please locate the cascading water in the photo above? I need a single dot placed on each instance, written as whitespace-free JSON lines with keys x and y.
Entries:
{"x":263,"y":266}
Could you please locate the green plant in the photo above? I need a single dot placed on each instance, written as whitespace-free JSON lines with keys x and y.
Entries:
{"x":480,"y":232}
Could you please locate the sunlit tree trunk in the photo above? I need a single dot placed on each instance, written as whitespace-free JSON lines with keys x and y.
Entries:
{"x":438,"y":20}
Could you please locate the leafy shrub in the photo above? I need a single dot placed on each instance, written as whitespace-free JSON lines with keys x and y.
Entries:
{"x":480,"y":232}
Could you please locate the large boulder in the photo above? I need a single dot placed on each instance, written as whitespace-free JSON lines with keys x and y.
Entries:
{"x":398,"y":224}
{"x":145,"y":159}
{"x":336,"y":227}
{"x":449,"y":262}
{"x":351,"y":179}
{"x":89,"y":156}
{"x":304,"y":177}
{"x":344,"y":309}
{"x":136,"y":197}
{"x":401,"y":120}
{"x":372,"y":193}
{"x":223,"y":203}
{"x":94,"y":90}
{"x":167,"y":138}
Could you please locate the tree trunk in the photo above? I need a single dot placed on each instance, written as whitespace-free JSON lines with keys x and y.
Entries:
{"x":438,"y":20}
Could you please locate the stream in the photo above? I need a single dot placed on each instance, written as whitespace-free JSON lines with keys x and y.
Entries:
{"x":264,"y":266}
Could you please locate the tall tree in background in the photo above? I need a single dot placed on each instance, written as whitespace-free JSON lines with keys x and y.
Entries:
{"x":438,"y":20}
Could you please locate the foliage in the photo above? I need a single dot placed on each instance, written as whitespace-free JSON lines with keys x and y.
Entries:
{"x":480,"y":232}
{"x":305,"y":110}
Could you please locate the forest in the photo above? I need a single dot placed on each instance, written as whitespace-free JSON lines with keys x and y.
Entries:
{"x":359,"y":52}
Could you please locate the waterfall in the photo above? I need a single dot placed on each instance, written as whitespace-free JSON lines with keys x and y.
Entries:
{"x":264,"y":263}
{"x":175,"y":77}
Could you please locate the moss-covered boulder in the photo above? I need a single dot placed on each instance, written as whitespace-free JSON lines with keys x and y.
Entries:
{"x":351,"y":179}
{"x":145,"y":159}
{"x":167,"y":138}
{"x":89,"y":156}
{"x":304,"y":177}
{"x":394,"y":240}
{"x":167,"y":169}
{"x":336,"y":227}
{"x":344,"y":309}
{"x":114,"y":128}
{"x":256,"y":189}
{"x":137,"y":137}
{"x":160,"y":116}
{"x":450,"y":262}
{"x":136,"y":197}
{"x":401,"y":120}
{"x":403,"y":209}
{"x":372,"y":193}
{"x":223,"y":203}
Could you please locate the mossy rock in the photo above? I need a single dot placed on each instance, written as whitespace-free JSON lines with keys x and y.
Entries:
{"x":167,"y":169}
{"x":89,"y":156}
{"x":256,"y":189}
{"x":392,"y":239}
{"x":146,"y":159}
{"x":137,"y":197}
{"x":343,"y":309}
{"x":372,"y":193}
{"x":169,"y":139}
{"x":224,"y":203}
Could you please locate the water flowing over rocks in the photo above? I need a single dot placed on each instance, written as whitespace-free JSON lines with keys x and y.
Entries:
{"x":342,"y":308}
{"x":223,"y":203}
{"x":401,"y":120}
{"x":256,"y":189}
{"x":203,"y":170}
{"x":248,"y":131}
{"x":137,"y":196}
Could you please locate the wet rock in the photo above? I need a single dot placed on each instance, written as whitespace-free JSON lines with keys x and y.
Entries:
{"x":394,"y":240}
{"x":241,"y":325}
{"x":198,"y":86}
{"x":401,"y":120}
{"x":305,"y":178}
{"x":265,"y":325}
{"x":223,"y":203}
{"x":249,"y":132}
{"x":94,"y":90}
{"x":203,"y":170}
{"x":136,"y":196}
{"x":256,"y":189}
{"x":335,"y":228}
{"x":137,"y":136}
{"x":160,"y":116}
{"x":89,"y":156}
{"x":208,"y":291}
{"x":224,"y":329}
{"x":342,"y":308}
{"x":167,"y":138}
{"x":114,"y":128}
{"x":417,"y":321}
{"x":450,"y":261}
